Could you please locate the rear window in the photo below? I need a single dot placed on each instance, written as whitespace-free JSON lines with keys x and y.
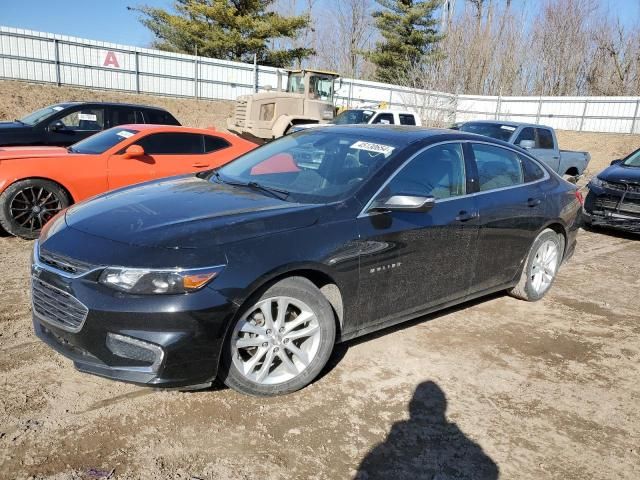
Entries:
{"x":212,"y":144}
{"x":103,"y":141}
{"x":494,"y":130}
{"x":532,"y":171}
{"x":407,"y":119}
{"x":160,"y":117}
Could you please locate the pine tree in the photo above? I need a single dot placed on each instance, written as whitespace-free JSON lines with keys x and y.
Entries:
{"x":410,"y":34}
{"x":226,"y":29}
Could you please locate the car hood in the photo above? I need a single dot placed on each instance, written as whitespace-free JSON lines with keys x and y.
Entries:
{"x":186,"y":212}
{"x":10,"y":153}
{"x":619,"y":173}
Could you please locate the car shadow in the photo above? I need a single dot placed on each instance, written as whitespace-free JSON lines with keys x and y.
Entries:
{"x":612,"y":232}
{"x":427,"y":446}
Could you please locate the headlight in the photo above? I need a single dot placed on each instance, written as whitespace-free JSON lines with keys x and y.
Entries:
{"x":142,"y":281}
{"x":596,"y":182}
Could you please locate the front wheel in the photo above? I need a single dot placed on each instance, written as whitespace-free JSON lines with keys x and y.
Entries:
{"x":27,"y":205}
{"x":541,"y":267}
{"x":281,"y":341}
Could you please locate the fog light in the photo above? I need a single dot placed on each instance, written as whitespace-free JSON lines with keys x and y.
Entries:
{"x":134,"y":349}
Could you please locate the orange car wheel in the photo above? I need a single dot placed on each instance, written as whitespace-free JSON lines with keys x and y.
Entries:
{"x":27,"y":205}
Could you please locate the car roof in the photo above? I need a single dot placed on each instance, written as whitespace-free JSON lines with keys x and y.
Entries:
{"x":173,"y":128}
{"x":505,"y":122}
{"x":111,"y":104}
{"x":409,"y":132}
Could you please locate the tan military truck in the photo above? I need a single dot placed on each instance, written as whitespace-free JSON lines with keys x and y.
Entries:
{"x":266,"y":115}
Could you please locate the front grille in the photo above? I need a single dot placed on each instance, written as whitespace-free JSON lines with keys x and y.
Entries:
{"x":241,"y":112}
{"x":629,"y":187}
{"x":628,"y":206}
{"x":57,"y":307}
{"x":65,"y":264}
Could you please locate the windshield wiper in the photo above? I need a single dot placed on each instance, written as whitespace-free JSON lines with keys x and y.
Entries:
{"x":276,"y":192}
{"x":19,"y":121}
{"x":71,"y":150}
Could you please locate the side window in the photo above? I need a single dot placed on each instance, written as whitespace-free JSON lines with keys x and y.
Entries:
{"x":437,"y":171}
{"x":159,"y":117}
{"x":527,"y":133}
{"x":172,"y":144}
{"x":212,"y":144}
{"x":91,"y":119}
{"x":532,"y":171}
{"x":384,"y":118}
{"x":497,"y":167}
{"x":122,"y":116}
{"x":545,"y":139}
{"x":407,"y":119}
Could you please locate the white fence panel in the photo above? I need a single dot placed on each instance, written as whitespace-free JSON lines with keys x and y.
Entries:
{"x":63,"y":60}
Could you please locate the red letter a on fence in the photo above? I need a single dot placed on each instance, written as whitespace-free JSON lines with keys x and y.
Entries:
{"x":111,"y":61}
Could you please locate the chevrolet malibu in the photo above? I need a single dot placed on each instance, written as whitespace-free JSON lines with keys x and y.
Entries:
{"x":252,"y":272}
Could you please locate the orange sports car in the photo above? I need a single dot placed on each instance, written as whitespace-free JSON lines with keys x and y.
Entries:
{"x":38,"y":182}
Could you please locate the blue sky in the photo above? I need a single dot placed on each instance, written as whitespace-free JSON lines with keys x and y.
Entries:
{"x":109,"y":20}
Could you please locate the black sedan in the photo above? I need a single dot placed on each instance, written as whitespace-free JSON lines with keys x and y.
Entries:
{"x":253,"y":272}
{"x":614,"y":196}
{"x":64,"y":124}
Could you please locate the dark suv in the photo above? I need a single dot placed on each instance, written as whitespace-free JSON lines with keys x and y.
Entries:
{"x":64,"y":124}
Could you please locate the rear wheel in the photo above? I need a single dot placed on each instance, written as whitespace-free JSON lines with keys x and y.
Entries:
{"x":541,"y":267}
{"x":281,"y":341}
{"x":26,"y":206}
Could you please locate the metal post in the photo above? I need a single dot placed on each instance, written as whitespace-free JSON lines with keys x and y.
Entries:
{"x":255,"y":73}
{"x":584,"y":112}
{"x":390,"y":96}
{"x":137,"y":72}
{"x":635,"y":117}
{"x":56,"y":50}
{"x":454,"y":110}
{"x":195,"y":78}
{"x":350,"y":93}
{"x":539,"y":109}
{"x":498,"y":107}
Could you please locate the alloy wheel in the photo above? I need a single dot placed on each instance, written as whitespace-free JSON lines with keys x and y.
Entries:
{"x":32,"y":207}
{"x":544,"y":266}
{"x":275,"y":340}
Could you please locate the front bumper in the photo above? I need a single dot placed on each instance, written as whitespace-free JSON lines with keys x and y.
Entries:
{"x":613,"y":209}
{"x":155,"y":340}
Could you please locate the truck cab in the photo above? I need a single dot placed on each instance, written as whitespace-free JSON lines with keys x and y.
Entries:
{"x":308,"y":98}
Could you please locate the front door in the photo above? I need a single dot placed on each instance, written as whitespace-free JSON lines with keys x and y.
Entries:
{"x":411,"y":261}
{"x":74,"y":126}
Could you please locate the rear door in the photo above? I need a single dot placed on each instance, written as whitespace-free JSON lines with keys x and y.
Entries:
{"x":74,"y":125}
{"x":384,"y":119}
{"x":414,"y":260}
{"x":121,"y":116}
{"x":511,"y":204}
{"x":159,"y":117}
{"x":407,"y":119}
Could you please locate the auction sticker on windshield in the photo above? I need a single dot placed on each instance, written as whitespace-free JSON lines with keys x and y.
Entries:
{"x":125,"y":134}
{"x":373,"y":147}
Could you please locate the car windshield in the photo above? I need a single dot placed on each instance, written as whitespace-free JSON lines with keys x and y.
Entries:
{"x":103,"y":141}
{"x":312,"y":166}
{"x":42,"y":114}
{"x":494,"y":130}
{"x":353,"y":117}
{"x":632,"y":160}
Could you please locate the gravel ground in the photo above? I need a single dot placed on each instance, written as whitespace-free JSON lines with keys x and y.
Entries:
{"x":497,"y":388}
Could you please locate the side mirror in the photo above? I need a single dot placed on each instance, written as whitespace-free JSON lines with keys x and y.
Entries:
{"x":134,"y":151}
{"x":404,"y":203}
{"x":616,"y":161}
{"x":527,"y":144}
{"x":57,"y":126}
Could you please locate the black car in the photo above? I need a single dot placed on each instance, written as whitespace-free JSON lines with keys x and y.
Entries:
{"x":614,"y":196}
{"x":64,"y":124}
{"x":253,"y":272}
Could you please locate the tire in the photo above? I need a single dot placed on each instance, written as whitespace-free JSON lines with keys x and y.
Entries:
{"x":243,"y":367}
{"x":27,"y":205}
{"x":538,"y":274}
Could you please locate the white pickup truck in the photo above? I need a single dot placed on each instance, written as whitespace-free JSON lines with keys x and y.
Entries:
{"x":366,"y":116}
{"x":539,"y":140}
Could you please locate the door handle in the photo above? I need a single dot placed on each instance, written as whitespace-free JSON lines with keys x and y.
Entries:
{"x":534,"y":202}
{"x":200,"y":165}
{"x":465,"y":216}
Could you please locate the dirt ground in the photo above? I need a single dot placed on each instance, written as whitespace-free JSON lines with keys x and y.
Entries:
{"x":497,"y":388}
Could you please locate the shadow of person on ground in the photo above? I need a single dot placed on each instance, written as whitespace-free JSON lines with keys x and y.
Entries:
{"x":427,"y":446}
